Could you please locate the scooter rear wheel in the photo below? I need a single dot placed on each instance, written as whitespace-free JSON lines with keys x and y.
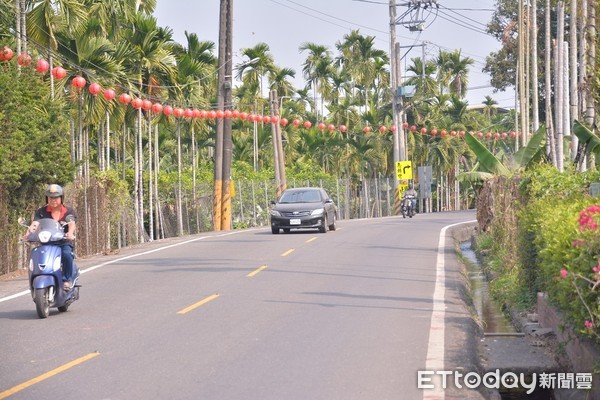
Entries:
{"x":42,"y":305}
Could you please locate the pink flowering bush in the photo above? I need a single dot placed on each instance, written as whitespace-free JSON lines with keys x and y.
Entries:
{"x":582,"y":273}
{"x":559,"y":243}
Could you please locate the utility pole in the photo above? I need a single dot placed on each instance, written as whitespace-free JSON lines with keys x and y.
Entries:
{"x":224,"y":146}
{"x":399,"y":139}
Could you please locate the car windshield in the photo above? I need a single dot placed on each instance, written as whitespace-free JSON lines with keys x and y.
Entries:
{"x":301,"y":196}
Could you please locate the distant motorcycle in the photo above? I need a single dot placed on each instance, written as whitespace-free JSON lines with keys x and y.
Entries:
{"x":45,"y":273}
{"x":408,"y":206}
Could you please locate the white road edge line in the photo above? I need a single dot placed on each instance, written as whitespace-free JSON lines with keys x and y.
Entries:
{"x":436,"y":347}
{"x":23,"y":293}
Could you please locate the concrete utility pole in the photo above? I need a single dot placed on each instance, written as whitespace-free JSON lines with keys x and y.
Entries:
{"x":224,"y":145}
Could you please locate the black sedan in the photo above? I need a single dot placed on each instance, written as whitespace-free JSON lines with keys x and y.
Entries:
{"x":303,"y":208}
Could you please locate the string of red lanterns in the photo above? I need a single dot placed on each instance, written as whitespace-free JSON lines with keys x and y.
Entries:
{"x":42,"y":66}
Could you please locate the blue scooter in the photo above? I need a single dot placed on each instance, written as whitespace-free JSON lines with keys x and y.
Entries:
{"x":45,"y":269}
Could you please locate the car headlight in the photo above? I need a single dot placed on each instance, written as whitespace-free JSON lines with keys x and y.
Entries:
{"x":275,"y":213}
{"x":44,"y":236}
{"x":56,"y":264}
{"x":317,"y":212}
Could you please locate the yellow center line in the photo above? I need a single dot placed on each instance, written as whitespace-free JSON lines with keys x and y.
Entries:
{"x":198,"y":304}
{"x":287,"y":253}
{"x":251,"y":274}
{"x":311,"y":239}
{"x":47,"y":375}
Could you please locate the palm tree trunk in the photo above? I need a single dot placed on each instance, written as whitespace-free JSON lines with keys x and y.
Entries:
{"x":550,"y":147}
{"x":18,"y":25}
{"x":534,"y":68}
{"x":194,"y":191}
{"x":559,"y":86}
{"x":141,"y":174}
{"x":179,"y":195}
{"x":150,"y":179}
{"x":574,"y":103}
{"x":591,"y":61}
{"x":136,"y":173}
{"x":158,"y":214}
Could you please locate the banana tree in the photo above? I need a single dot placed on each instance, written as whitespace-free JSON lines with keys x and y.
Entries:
{"x":490,"y":165}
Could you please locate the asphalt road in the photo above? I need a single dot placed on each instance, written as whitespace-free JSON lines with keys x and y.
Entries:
{"x":239,"y":315}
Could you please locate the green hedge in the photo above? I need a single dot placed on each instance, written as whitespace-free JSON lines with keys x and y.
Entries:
{"x":563,"y":255}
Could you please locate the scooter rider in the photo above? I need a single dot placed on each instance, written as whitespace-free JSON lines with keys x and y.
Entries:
{"x":411,"y":195}
{"x":56,"y":210}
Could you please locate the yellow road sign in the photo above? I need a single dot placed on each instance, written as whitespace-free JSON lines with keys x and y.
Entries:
{"x":404,"y":170}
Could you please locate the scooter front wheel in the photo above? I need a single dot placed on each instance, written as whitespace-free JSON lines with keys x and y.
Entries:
{"x":42,"y":305}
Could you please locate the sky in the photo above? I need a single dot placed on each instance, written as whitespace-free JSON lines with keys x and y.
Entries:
{"x":284,"y":25}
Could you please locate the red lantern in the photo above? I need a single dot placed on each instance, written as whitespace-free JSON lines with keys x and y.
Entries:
{"x":188,"y":113}
{"x":489,"y":135}
{"x":274,"y":119}
{"x":452,"y":133}
{"x":137,"y":103}
{"x":367,"y":129}
{"x":283,"y":121}
{"x":504,"y":135}
{"x":307,"y":124}
{"x":168,"y":110}
{"x":393,"y":128}
{"x":434,"y":132}
{"x":157,"y":108}
{"x":24,"y":60}
{"x":227,"y":114}
{"x":405,"y":125}
{"x":235,"y":114}
{"x":413,"y":128}
{"x":266,"y":119}
{"x":321,"y":126}
{"x":42,"y":66}
{"x":423,"y":130}
{"x":383,"y":129}
{"x":124,"y":98}
{"x":461,"y":133}
{"x":479,"y":135}
{"x":195,"y":113}
{"x":496,"y":135}
{"x":331,"y":127}
{"x":146,"y":105}
{"x":6,"y":54}
{"x":212,"y":114}
{"x":79,"y":82}
{"x":296,"y":122}
{"x":243,"y":116}
{"x":109,"y":94}
{"x":443,"y":132}
{"x":219,"y":114}
{"x":512,"y":134}
{"x":343,"y":128}
{"x":178,"y":112}
{"x":203,"y":114}
{"x":95,"y":89}
{"x":59,"y":72}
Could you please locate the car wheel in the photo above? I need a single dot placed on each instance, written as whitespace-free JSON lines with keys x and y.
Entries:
{"x":323,"y":227}
{"x":274,"y":230}
{"x":332,"y":226}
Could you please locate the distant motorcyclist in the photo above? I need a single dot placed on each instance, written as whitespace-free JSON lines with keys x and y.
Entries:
{"x":410,"y":194}
{"x":56,"y":210}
